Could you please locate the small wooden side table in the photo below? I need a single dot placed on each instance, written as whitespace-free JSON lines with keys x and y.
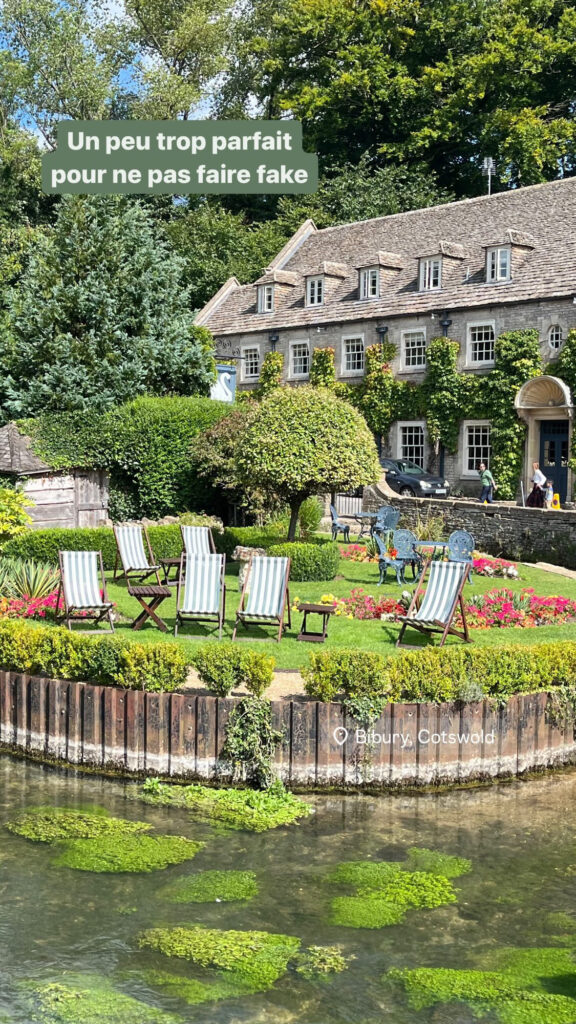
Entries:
{"x":325,"y":610}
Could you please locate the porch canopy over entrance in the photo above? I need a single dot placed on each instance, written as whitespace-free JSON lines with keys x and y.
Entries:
{"x":545,"y":404}
{"x":543,"y":393}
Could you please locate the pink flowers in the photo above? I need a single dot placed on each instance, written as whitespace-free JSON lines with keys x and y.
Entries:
{"x":495,"y":567}
{"x":29,"y":608}
{"x":363,"y":606}
{"x":526,"y":609}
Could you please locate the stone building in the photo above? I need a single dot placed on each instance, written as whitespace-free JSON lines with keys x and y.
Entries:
{"x":470,"y":270}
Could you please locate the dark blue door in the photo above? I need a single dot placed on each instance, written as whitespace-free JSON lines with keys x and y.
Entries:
{"x":554,"y":454}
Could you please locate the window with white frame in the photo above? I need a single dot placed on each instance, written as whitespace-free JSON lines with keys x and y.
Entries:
{"x":250,"y":363}
{"x":369,"y":283}
{"x":476,"y":446}
{"x":266,"y":298}
{"x":411,"y":443}
{"x":413,"y":350}
{"x":498,"y":264}
{"x":430,"y":274}
{"x":353,"y":354}
{"x":481,"y":340}
{"x":299,"y":359}
{"x":555,"y":338}
{"x":315,"y":291}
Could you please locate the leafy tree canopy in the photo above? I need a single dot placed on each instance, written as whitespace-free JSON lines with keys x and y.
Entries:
{"x":100,"y":315}
{"x":446,"y":82}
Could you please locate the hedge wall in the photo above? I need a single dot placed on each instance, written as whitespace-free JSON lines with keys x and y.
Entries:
{"x":44,"y":545}
{"x":145,"y":446}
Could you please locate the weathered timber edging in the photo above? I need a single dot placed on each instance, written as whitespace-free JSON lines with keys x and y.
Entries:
{"x":181,"y":736}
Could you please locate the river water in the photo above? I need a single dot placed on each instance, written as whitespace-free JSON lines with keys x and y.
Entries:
{"x":56,"y":922}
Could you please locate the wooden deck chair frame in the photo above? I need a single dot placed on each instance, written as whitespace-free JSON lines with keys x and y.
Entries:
{"x":68,"y":617}
{"x":210,"y":538}
{"x":445,"y":628}
{"x":273,"y":618}
{"x":183,"y":617}
{"x":128,"y":572}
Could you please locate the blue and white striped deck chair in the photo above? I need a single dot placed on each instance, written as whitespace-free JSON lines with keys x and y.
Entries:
{"x":201,"y":594}
{"x":197,"y":540}
{"x":435,"y":612}
{"x":267,"y":599}
{"x":134,"y":550}
{"x":83,"y":588}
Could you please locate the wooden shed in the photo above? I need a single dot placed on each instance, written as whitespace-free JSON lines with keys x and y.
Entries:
{"x":74,"y":497}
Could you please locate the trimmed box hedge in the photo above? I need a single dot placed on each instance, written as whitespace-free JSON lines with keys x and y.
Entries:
{"x":315,"y":561}
{"x":440,"y":674}
{"x":44,"y":545}
{"x":107,"y":660}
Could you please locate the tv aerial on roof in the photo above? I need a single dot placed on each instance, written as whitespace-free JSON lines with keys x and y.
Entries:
{"x":488,"y":169}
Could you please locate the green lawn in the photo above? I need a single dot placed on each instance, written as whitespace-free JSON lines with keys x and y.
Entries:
{"x":342,"y":632}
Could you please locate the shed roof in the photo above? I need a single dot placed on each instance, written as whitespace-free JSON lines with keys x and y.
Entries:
{"x":16,"y":455}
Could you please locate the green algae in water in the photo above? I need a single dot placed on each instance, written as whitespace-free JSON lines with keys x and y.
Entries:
{"x":386,"y":890}
{"x":193,"y":991}
{"x":365,"y":874}
{"x":520,"y":986}
{"x":258,"y":958}
{"x":121,"y":853}
{"x":318,"y":962}
{"x":212,"y":887}
{"x":52,"y":824}
{"x":559,"y":923}
{"x":91,"y":1001}
{"x":379,"y":908}
{"x":436,"y":863}
{"x":253,"y":810}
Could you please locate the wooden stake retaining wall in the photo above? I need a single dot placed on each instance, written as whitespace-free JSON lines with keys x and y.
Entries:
{"x":182,"y":735}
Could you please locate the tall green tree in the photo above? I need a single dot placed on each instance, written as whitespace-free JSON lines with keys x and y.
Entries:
{"x":100,"y":315}
{"x":62,"y":60}
{"x":444,"y":82}
{"x":181,"y":46}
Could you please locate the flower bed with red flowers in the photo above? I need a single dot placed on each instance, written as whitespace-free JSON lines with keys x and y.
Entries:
{"x":495,"y":567}
{"x":501,"y":608}
{"x":30,"y":608}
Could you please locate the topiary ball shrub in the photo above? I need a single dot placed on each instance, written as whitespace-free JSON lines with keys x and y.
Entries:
{"x":312,"y":561}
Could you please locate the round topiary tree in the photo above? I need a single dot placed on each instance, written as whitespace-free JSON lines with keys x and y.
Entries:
{"x":305,"y":441}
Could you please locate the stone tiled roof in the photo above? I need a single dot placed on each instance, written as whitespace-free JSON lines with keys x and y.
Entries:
{"x":16,"y":455}
{"x":542,"y":217}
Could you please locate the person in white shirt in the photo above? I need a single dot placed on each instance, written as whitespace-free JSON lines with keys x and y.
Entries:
{"x":538,"y":493}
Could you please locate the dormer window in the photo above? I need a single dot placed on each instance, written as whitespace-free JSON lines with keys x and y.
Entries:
{"x":431,"y":274}
{"x":498,"y":264}
{"x":315,"y":291}
{"x":370,"y":283}
{"x":266,"y":298}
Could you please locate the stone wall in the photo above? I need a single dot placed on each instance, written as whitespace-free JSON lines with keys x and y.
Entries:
{"x":502,"y":529}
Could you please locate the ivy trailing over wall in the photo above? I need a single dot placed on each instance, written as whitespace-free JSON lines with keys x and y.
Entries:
{"x":322,"y":369}
{"x":446,"y":397}
{"x":442,"y":392}
{"x":517,"y":360}
{"x":270,"y":374}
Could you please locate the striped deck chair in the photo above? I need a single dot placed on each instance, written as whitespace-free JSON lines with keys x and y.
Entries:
{"x":442,"y":596}
{"x":134,"y":551}
{"x":197,"y":540}
{"x":268,"y":597}
{"x":201,"y":594}
{"x":83,"y":589}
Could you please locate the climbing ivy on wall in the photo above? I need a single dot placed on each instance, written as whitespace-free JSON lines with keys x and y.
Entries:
{"x":322,"y":368}
{"x":446,"y":397}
